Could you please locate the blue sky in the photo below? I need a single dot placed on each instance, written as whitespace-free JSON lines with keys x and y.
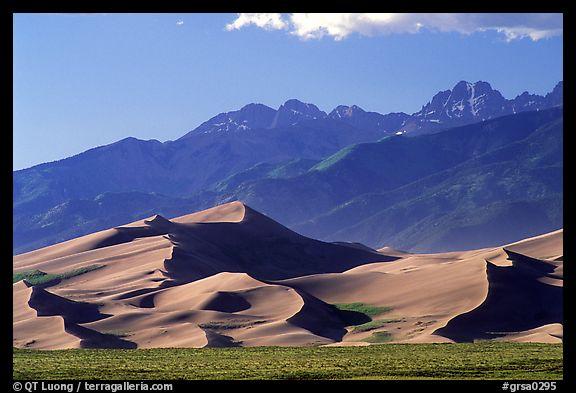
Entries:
{"x":82,"y":81}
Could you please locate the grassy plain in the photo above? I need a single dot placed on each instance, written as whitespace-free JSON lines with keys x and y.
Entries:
{"x":483,"y":360}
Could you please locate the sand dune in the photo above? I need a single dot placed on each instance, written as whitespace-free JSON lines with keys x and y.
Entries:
{"x":230,"y":276}
{"x":29,"y":330}
{"x":516,"y":301}
{"x":547,"y":246}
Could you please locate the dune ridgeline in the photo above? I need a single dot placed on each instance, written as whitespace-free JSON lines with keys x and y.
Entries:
{"x":230,"y":276}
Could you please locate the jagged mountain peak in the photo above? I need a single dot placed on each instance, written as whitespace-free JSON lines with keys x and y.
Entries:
{"x":525,"y":94}
{"x":374,"y":121}
{"x":468,"y":86}
{"x":296,"y":104}
{"x":556,"y":96}
{"x":462,"y":86}
{"x":345,"y":111}
{"x":294,"y":111}
{"x":250,"y":116}
{"x":464,"y":103}
{"x":470,"y":102}
{"x":254,"y":107}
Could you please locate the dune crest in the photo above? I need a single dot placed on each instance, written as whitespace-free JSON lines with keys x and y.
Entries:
{"x":229,"y":212}
{"x":230,"y":276}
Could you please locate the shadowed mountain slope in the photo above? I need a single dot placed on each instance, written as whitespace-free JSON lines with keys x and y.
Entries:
{"x":450,"y":190}
{"x":256,"y":152}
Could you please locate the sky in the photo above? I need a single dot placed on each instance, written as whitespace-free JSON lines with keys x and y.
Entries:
{"x":85,"y":80}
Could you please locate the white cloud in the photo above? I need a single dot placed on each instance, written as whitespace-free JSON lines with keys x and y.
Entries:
{"x":340,"y":26}
{"x":264,"y":21}
{"x":179,"y":23}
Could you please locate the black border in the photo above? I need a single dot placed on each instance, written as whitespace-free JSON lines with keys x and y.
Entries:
{"x":569,"y":341}
{"x":167,"y":6}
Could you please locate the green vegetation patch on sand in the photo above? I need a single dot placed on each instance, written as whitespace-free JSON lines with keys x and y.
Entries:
{"x":30,"y":275}
{"x":363,"y":308}
{"x":38,"y":277}
{"x":390,"y":361}
{"x":378,"y":323}
{"x":230,"y":324}
{"x":379,"y":337}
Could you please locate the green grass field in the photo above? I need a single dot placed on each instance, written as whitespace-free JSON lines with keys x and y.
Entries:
{"x":387,"y":361}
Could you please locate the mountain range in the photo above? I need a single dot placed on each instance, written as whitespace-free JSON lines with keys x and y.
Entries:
{"x":470,"y":169}
{"x":470,"y":102}
{"x":465,"y":103}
